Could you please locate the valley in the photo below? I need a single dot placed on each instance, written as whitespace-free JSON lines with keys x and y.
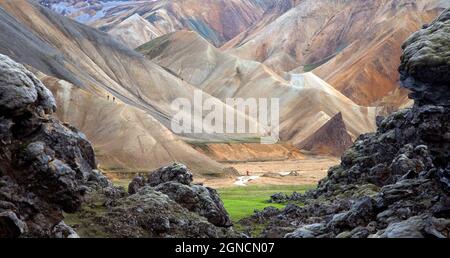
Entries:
{"x":307,"y":171}
{"x":86,"y":75}
{"x":224,"y":118}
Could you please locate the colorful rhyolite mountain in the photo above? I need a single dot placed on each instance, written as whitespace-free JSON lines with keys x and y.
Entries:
{"x":323,"y":71}
{"x":114,"y":94}
{"x":136,"y":22}
{"x":353,"y":45}
{"x":306,"y":101}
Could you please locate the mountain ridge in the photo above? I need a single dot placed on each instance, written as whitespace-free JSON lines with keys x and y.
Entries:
{"x":93,"y":61}
{"x":330,"y":42}
{"x":226,"y":76}
{"x":216,"y":20}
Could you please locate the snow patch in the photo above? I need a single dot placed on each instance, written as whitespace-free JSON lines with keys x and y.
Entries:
{"x":68,"y":9}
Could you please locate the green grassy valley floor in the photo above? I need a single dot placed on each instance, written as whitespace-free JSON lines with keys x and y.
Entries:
{"x":241,"y":201}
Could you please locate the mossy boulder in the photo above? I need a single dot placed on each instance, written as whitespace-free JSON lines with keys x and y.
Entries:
{"x":425,"y":66}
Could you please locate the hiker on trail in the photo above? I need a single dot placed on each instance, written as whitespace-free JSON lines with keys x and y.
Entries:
{"x":248,"y":173}
{"x":107,"y":97}
{"x":114,"y":99}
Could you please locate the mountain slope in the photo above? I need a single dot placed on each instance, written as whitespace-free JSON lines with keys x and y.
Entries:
{"x":93,"y":61}
{"x":199,"y":63}
{"x":354,"y":43}
{"x":393,"y":183}
{"x":90,"y":59}
{"x":126,"y":139}
{"x":278,"y":9}
{"x":306,"y":102}
{"x":82,"y":10}
{"x":135,"y":31}
{"x":332,"y":138}
{"x":216,"y":20}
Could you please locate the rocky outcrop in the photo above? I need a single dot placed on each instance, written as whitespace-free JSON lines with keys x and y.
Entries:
{"x":162,"y":204}
{"x":175,"y":181}
{"x":175,"y":173}
{"x":425,"y":67}
{"x":45,"y":166}
{"x":332,"y":138}
{"x":48,"y":174}
{"x":392,"y":183}
{"x":147,"y":213}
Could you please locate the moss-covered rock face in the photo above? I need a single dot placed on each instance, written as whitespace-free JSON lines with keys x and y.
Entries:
{"x":175,"y":181}
{"x":425,"y":67}
{"x":147,"y":213}
{"x":21,"y":90}
{"x":48,"y":173}
{"x":162,"y":204}
{"x":46,"y":166}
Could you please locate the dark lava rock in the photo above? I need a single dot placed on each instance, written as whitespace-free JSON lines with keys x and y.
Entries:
{"x":425,"y":67}
{"x":173,"y":173}
{"x":175,"y":181}
{"x":44,"y":164}
{"x":150,"y":213}
{"x":202,"y":200}
{"x":416,"y":227}
{"x":10,"y":225}
{"x":63,"y":231}
{"x":48,"y":168}
{"x":394,"y":182}
{"x":278,"y":198}
{"x":283,"y":198}
{"x":135,"y":184}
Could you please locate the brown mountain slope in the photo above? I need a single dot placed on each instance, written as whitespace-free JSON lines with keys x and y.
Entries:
{"x":135,"y":31}
{"x":249,"y":152}
{"x":199,"y":63}
{"x":358,"y":40}
{"x":89,"y":59}
{"x":279,"y":8}
{"x":306,"y":101}
{"x":331,"y":138}
{"x":282,"y":44}
{"x":369,"y":65}
{"x":216,"y":20}
{"x":126,"y":139}
{"x":103,"y":67}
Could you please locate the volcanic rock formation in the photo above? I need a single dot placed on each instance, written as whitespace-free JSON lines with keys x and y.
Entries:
{"x":425,"y":67}
{"x":392,"y":183}
{"x":48,"y":167}
{"x":45,"y":166}
{"x":175,"y":181}
{"x":162,"y":204}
